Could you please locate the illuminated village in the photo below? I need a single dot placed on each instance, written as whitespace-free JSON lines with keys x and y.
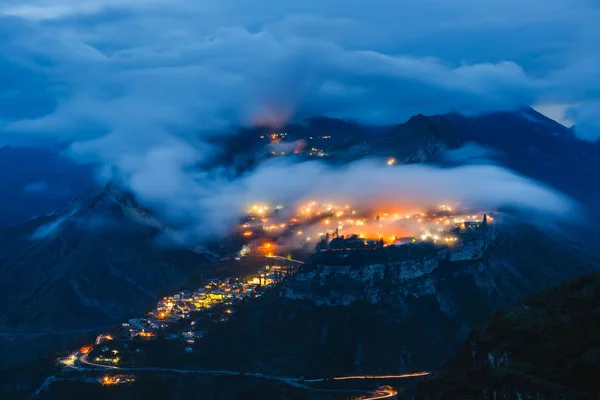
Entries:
{"x":184,"y":317}
{"x":181,"y":318}
{"x":321,"y":227}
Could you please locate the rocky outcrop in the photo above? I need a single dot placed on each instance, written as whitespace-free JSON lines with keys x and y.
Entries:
{"x":414,"y":310}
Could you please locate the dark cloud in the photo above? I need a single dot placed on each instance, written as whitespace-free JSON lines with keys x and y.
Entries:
{"x":217,"y":63}
{"x":131,"y":83}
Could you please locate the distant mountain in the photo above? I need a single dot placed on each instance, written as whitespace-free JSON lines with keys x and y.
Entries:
{"x":38,"y":180}
{"x":523,"y":140}
{"x":547,"y":347}
{"x":535,"y":146}
{"x":95,"y":263}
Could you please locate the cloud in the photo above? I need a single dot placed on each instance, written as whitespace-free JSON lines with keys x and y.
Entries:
{"x":470,"y":153}
{"x":135,"y":86}
{"x":210,"y":204}
{"x":210,"y":65}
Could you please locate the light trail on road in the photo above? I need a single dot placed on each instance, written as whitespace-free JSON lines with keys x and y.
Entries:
{"x":381,"y":394}
{"x":410,"y":375}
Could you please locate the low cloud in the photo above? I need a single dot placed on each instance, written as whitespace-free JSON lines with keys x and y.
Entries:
{"x":209,"y":204}
{"x":470,"y":153}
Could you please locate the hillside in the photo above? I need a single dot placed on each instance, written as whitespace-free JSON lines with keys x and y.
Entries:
{"x":392,"y":312}
{"x":96,"y":262}
{"x":547,"y":347}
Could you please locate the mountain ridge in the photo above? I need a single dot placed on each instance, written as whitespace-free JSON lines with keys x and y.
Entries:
{"x":92,"y":266}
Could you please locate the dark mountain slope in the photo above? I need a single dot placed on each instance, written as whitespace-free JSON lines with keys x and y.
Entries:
{"x":398,"y":313}
{"x":93,"y":264}
{"x":535,"y":146}
{"x":548,"y":347}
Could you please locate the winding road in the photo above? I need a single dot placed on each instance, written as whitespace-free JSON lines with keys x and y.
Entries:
{"x":292,"y":381}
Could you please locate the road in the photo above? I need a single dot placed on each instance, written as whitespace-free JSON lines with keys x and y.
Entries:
{"x":380,"y":394}
{"x":285,"y":379}
{"x":292,"y":381}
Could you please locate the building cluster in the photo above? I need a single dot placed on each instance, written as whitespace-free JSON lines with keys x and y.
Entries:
{"x":110,"y":380}
{"x":182,"y":317}
{"x":327,"y":226}
{"x":211,"y":303}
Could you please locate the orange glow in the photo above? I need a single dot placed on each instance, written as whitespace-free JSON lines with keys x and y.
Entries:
{"x":110,"y":380}
{"x":414,"y":374}
{"x":300,"y":145}
{"x":268,"y":248}
{"x":85,"y":349}
{"x":247,"y":233}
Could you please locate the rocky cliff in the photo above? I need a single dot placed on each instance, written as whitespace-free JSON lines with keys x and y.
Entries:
{"x":396,"y":310}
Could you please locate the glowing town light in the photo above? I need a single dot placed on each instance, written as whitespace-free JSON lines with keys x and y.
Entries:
{"x":391,"y":161}
{"x":247,"y":233}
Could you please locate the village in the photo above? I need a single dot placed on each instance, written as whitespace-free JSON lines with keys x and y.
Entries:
{"x":322,"y":227}
{"x":180,"y":319}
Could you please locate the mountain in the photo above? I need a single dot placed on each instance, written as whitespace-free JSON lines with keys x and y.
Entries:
{"x":104,"y":259}
{"x":523,"y":140}
{"x":395,"y":310}
{"x":93,"y":264}
{"x":547,"y":347}
{"x":537,"y":147}
{"x":38,"y":180}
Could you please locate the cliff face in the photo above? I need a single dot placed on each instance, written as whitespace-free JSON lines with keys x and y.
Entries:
{"x":406,"y":310}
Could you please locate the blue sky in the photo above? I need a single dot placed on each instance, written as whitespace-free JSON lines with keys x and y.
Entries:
{"x":134,"y":84}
